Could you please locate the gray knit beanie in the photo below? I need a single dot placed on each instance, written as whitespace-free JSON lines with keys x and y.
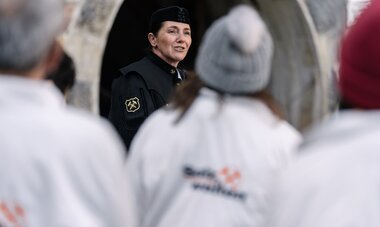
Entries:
{"x":235,"y":55}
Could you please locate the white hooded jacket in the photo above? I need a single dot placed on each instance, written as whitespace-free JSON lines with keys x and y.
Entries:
{"x":212,"y":168}
{"x":59,"y":167}
{"x":336,"y":179}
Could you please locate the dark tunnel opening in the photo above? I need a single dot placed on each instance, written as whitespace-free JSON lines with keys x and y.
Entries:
{"x":127,"y":40}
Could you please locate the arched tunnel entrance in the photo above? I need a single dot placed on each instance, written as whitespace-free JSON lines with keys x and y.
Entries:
{"x":127,"y":40}
{"x":305,"y":33}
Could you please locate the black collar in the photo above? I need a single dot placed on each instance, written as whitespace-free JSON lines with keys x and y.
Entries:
{"x":162,"y":64}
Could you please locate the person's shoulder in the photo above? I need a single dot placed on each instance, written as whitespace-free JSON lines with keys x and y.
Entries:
{"x":285,"y":128}
{"x":163,"y":119}
{"x":130,"y":73}
{"x":130,"y":78}
{"x":84,"y":116}
{"x":86,"y":125}
{"x":68,"y":132}
{"x":126,"y":70}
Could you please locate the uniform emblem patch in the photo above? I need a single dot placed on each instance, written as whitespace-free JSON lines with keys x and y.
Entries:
{"x":132,"y":105}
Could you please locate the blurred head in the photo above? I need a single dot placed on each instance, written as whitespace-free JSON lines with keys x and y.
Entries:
{"x":235,"y":55}
{"x":170,"y":34}
{"x":359,"y":76}
{"x":64,"y":76}
{"x":28,"y":29}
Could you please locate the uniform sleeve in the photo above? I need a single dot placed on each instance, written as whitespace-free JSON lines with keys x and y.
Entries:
{"x":131,"y":104}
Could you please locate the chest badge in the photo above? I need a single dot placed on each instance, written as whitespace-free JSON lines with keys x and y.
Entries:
{"x":132,"y":105}
{"x":172,"y":71}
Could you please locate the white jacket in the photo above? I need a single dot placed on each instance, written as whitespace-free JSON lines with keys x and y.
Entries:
{"x":336,"y":180}
{"x":213,"y":168}
{"x":58,"y":167}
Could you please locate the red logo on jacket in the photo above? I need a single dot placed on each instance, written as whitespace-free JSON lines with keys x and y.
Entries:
{"x":12,"y":215}
{"x":224,"y":182}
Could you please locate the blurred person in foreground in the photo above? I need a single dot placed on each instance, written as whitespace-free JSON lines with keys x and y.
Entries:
{"x":64,"y":75}
{"x":58,"y":166}
{"x":210,"y":157}
{"x":336,"y":179}
{"x":146,"y":85}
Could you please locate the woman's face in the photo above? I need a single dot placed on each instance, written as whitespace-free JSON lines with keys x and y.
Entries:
{"x":172,"y":42}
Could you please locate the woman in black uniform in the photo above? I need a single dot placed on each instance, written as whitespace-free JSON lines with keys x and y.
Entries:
{"x":146,"y":85}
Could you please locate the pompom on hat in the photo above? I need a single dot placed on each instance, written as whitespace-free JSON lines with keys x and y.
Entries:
{"x":235,"y":55}
{"x":359,"y":75}
{"x":172,"y":13}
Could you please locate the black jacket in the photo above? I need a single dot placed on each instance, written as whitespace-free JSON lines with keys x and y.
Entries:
{"x":143,"y":87}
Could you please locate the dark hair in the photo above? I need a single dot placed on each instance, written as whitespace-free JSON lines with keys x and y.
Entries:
{"x":155,"y":28}
{"x":64,"y":76}
{"x":344,"y":105}
{"x":186,"y":93}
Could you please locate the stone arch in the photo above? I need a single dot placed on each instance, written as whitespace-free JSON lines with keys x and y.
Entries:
{"x":85,"y":40}
{"x":306,"y":44}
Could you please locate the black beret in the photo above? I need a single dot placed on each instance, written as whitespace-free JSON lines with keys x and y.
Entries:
{"x":172,"y":13}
